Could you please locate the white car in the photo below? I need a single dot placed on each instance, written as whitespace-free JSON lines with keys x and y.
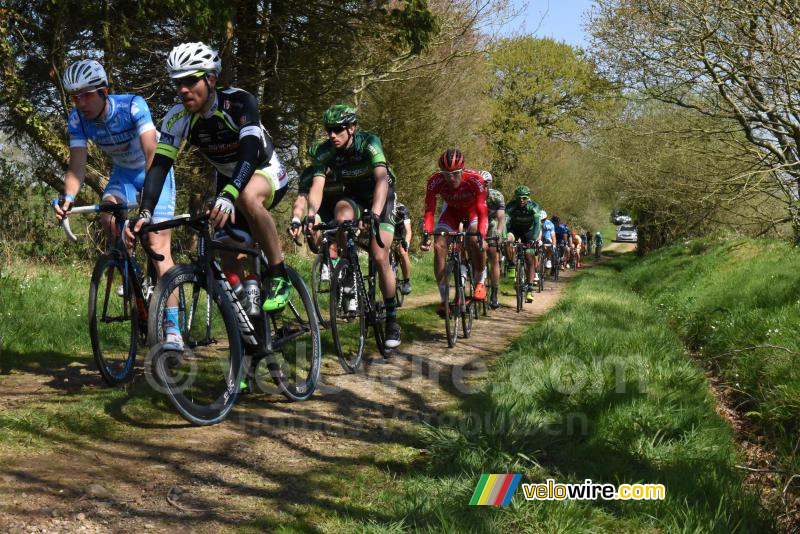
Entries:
{"x":627,"y":234}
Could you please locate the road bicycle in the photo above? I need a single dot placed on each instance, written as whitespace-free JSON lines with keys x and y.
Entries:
{"x":352,"y":299}
{"x":225,"y":341}
{"x":119,"y":293}
{"x":520,"y":280}
{"x":458,"y":308}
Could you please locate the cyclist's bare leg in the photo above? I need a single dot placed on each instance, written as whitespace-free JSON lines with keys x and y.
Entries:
{"x":439,"y":257}
{"x":494,"y":264}
{"x":380,"y":256}
{"x":251,"y":204}
{"x":478,"y":256}
{"x":405,"y":263}
{"x":530,"y":267}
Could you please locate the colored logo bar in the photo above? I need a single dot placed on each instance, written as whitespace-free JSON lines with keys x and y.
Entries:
{"x":495,"y":489}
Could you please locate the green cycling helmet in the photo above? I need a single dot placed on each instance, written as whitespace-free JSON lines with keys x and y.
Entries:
{"x":339,"y":114}
{"x":522,"y":191}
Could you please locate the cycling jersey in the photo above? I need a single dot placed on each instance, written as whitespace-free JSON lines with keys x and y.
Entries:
{"x":494,"y":203}
{"x":352,"y":170}
{"x":467,"y":202}
{"x":401,"y":217}
{"x":562,"y":232}
{"x":523,"y":220}
{"x":118,"y":135}
{"x":548,"y":231}
{"x":230,"y":136}
{"x":598,"y":240}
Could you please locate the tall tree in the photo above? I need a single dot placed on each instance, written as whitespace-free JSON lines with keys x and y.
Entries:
{"x":542,"y":89}
{"x":736,"y":61}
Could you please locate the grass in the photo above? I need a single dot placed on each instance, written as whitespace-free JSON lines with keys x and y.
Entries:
{"x":736,"y":304}
{"x":601,"y":388}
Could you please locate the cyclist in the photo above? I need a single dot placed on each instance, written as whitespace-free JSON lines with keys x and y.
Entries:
{"x":598,"y":244}
{"x":524,"y":224}
{"x":364,"y":185}
{"x":224,"y":125}
{"x":463,"y":194}
{"x":496,"y":207}
{"x":122,"y":127}
{"x":402,"y":232}
{"x":562,"y":240}
{"x":576,"y":248}
{"x":326,"y":205}
{"x":548,"y":237}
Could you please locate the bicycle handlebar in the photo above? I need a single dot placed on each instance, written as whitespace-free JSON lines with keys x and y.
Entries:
{"x":105,"y":207}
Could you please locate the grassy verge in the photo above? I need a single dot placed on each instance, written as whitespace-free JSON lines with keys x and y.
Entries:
{"x":602,"y":389}
{"x":736,"y":304}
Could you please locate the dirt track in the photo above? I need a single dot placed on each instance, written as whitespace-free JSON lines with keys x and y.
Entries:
{"x":269,"y":455}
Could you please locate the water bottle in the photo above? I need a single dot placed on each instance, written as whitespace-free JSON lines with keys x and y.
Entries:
{"x":463,"y":274}
{"x":238,"y":289}
{"x":252,"y":289}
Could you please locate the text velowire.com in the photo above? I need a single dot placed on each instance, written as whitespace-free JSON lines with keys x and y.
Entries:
{"x":588,"y":490}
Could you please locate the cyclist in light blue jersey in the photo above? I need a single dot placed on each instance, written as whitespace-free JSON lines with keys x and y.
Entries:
{"x":121,"y":126}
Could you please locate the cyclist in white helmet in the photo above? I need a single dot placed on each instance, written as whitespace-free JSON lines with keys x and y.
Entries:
{"x":121,"y":126}
{"x":225,"y":126}
{"x":496,"y":207}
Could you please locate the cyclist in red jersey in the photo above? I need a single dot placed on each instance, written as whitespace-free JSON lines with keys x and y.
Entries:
{"x":463,"y":193}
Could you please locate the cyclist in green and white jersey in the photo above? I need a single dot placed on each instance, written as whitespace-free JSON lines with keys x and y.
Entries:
{"x":358,"y":166}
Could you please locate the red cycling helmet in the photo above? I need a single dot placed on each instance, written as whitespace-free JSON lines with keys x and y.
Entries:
{"x":451,"y":160}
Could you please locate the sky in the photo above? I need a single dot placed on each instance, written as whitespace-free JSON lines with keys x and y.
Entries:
{"x":559,"y":19}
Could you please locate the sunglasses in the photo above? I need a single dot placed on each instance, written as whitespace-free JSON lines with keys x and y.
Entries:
{"x":82,"y":96}
{"x":337,"y":129}
{"x":524,"y":198}
{"x":450,"y":174}
{"x":188,"y":81}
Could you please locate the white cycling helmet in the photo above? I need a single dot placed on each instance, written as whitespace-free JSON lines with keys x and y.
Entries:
{"x":86,"y":74}
{"x":487,"y":177}
{"x":190,"y":58}
{"x":542,"y":215}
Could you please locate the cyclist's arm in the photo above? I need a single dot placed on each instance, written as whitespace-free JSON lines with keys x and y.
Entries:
{"x":430,"y":207}
{"x":501,"y":223}
{"x":149,"y":143}
{"x":154,"y":180}
{"x":483,"y":212}
{"x":76,"y":170}
{"x":407,"y":224}
{"x":315,"y":194}
{"x":299,"y":207}
{"x":381,"y":188}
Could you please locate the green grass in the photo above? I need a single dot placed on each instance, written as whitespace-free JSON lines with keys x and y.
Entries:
{"x":737,"y":305}
{"x":601,"y":388}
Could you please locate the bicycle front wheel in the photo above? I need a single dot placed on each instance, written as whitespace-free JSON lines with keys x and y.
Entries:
{"x":202,"y":381}
{"x":468,"y":308}
{"x":542,"y":259}
{"x":520,"y":284}
{"x":321,"y":288}
{"x":451,"y":308}
{"x":348,"y":319}
{"x":296,"y":357}
{"x":113,"y":319}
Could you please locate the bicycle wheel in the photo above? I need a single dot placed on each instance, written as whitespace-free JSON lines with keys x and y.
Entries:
{"x":542,"y":259}
{"x":348,"y":321}
{"x":467,"y":308}
{"x":376,"y":312}
{"x":451,"y":310}
{"x":296,"y":357}
{"x":321,"y":290}
{"x":394,"y":262}
{"x":202,"y":382}
{"x":520,"y":284}
{"x":113,"y":319}
{"x":556,"y":263}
